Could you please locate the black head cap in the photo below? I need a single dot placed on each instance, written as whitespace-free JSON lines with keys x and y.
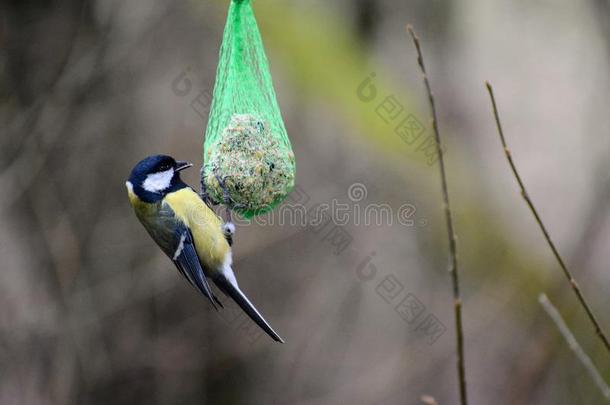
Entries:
{"x":155,"y":176}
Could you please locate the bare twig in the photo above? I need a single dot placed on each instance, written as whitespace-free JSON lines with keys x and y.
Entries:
{"x":574,"y":346}
{"x":530,"y":204}
{"x":453,"y":268}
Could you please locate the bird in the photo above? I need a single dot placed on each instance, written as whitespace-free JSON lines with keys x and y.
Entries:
{"x":188,"y":231}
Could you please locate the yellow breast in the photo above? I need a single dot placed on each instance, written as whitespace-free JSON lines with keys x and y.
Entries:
{"x":205,"y":225}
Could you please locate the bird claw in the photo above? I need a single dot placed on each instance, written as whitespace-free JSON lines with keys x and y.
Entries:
{"x":225,"y":192}
{"x":228,"y":228}
{"x":204,"y":195}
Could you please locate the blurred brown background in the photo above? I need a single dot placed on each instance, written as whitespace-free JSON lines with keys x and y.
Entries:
{"x":93,"y":313}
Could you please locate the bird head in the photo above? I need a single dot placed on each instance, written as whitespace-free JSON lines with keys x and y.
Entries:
{"x":155,"y":176}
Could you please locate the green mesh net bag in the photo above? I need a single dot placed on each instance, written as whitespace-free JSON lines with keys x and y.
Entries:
{"x":246,"y":145}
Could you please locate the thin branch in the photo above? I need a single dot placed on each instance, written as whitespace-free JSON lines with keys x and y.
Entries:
{"x":574,"y":346}
{"x":453,"y":269}
{"x":566,"y":272}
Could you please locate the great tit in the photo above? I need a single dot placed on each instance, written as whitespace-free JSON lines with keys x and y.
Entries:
{"x":187,"y":230}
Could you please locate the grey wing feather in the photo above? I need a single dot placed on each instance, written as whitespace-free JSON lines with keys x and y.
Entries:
{"x":188,"y":264}
{"x":176,"y":240}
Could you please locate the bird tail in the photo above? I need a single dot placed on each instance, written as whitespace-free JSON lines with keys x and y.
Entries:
{"x":232,"y":290}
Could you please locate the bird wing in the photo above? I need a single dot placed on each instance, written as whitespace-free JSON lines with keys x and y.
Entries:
{"x":176,"y":240}
{"x":186,"y":260}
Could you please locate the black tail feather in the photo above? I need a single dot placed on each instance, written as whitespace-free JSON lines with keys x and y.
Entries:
{"x":239,"y":297}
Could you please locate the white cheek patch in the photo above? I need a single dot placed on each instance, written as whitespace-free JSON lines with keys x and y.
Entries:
{"x":158,"y":181}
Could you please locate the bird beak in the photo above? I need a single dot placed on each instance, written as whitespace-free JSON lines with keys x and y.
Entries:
{"x":181,"y":165}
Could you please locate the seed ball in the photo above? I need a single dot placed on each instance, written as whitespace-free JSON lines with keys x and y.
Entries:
{"x":258,"y":171}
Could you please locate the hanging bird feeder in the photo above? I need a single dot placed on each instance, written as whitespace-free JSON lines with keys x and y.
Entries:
{"x":246,"y":150}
